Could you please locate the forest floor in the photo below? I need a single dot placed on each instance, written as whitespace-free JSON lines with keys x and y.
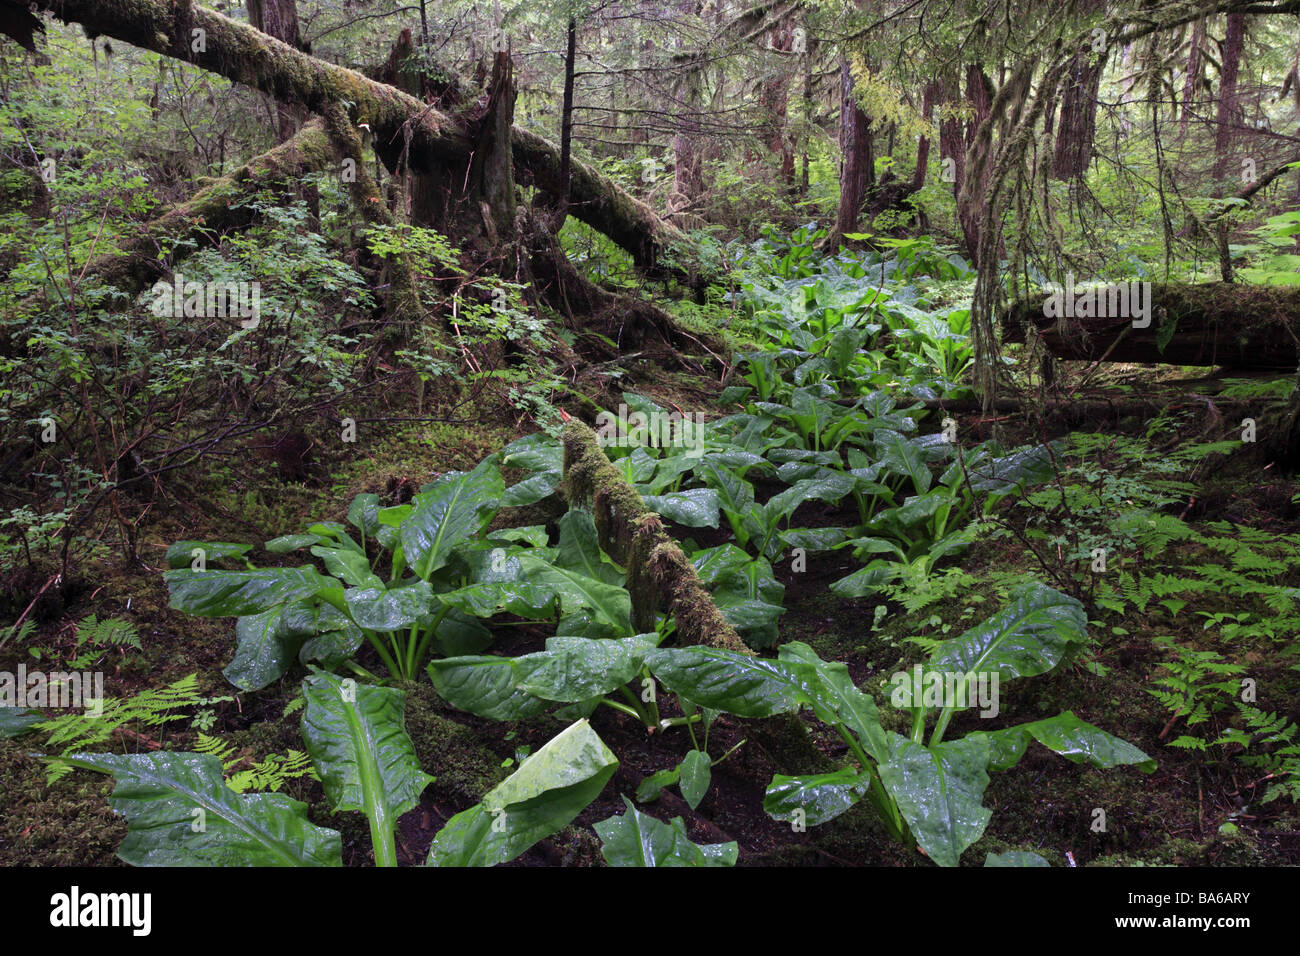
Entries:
{"x":1198,"y":808}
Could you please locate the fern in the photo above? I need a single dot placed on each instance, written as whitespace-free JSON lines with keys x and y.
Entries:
{"x":1186,"y":689}
{"x":110,"y":632}
{"x":77,"y":731}
{"x":271,"y":773}
{"x":1281,"y":765}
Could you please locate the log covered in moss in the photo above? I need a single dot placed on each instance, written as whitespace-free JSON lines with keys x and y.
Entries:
{"x":1216,"y":323}
{"x":213,"y":210}
{"x":661,"y":577}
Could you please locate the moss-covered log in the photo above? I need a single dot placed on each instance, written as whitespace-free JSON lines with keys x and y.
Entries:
{"x":660,"y":577}
{"x":1243,"y":326}
{"x":403,"y":126}
{"x":134,"y":265}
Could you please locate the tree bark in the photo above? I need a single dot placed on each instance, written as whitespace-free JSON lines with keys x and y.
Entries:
{"x":858,"y":170}
{"x":932,"y":94}
{"x":1214,"y":324}
{"x":773,"y":101}
{"x":1226,"y":120}
{"x":1194,"y":61}
{"x":279,"y":19}
{"x":1078,"y":117}
{"x":566,"y":127}
{"x":979,"y":94}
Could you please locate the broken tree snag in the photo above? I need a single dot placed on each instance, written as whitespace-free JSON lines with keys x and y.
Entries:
{"x":660,"y":576}
{"x":1215,"y":323}
{"x":213,"y":210}
{"x":245,"y":55}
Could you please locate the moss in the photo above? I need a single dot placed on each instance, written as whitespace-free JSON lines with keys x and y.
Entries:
{"x":67,"y":823}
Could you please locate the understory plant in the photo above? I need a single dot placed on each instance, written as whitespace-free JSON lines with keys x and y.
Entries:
{"x":924,"y":788}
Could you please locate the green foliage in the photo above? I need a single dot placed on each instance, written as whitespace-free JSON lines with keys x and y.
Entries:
{"x":930,"y":792}
{"x":154,"y":707}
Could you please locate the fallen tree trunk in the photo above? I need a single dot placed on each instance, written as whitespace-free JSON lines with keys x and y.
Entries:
{"x":660,"y":576}
{"x":1252,"y":327}
{"x":135,"y":264}
{"x":405,"y":129}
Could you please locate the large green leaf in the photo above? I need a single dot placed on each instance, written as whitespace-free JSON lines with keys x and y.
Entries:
{"x":608,"y":602}
{"x":523,"y":598}
{"x":821,"y":797}
{"x":1076,"y":740}
{"x":579,"y":549}
{"x":181,"y":813}
{"x":181,"y":554}
{"x":549,"y":789}
{"x":1030,"y":636}
{"x":391,"y":609}
{"x":835,"y":699}
{"x":450,"y":510}
{"x":348,"y":566}
{"x":727,"y":681}
{"x":573,"y":669}
{"x":268,"y":642}
{"x":363,"y":513}
{"x":829,"y":487}
{"x":236,"y":593}
{"x":939,"y":791}
{"x":637,"y":839}
{"x":902,"y":456}
{"x":16,"y":721}
{"x":356,"y":736}
{"x":264,"y":651}
{"x":734,"y":494}
{"x":486,"y":686}
{"x":693,"y":508}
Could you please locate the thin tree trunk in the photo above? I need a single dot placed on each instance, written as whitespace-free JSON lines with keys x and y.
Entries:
{"x":566,"y":128}
{"x":1194,"y":61}
{"x":279,"y":19}
{"x":933,"y":91}
{"x":1226,"y":120}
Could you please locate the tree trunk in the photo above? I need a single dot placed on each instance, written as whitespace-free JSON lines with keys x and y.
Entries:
{"x":279,"y":19}
{"x":1194,"y":61}
{"x":858,"y":170}
{"x":1226,"y":114}
{"x":1213,"y":324}
{"x":932,"y":94}
{"x":773,"y":101}
{"x":566,"y":127}
{"x":979,"y":94}
{"x":1078,"y":117}
{"x":1225,"y":121}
